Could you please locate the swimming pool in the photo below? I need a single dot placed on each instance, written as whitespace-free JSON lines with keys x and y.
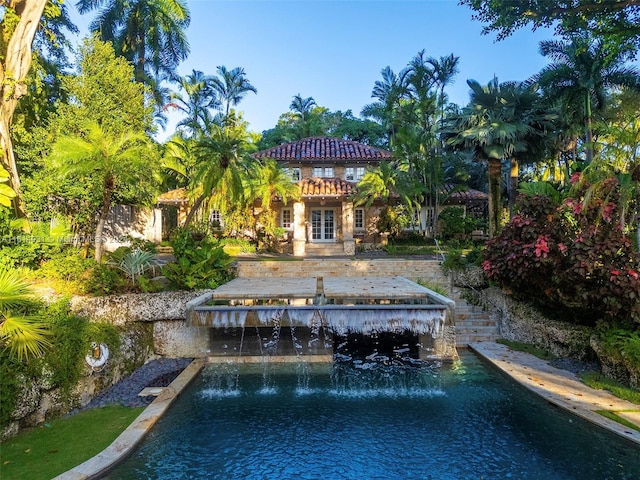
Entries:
{"x":372,"y":421}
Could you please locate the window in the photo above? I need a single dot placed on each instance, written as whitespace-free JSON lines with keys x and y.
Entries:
{"x":215,"y":218}
{"x":286,"y":218}
{"x":358,"y":219}
{"x":353,"y":174}
{"x":294,"y":173}
{"x":323,"y":172}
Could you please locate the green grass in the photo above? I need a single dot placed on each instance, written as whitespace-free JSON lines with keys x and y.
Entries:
{"x":613,"y":416}
{"x":527,"y":348}
{"x":47,"y":451}
{"x":597,"y":381}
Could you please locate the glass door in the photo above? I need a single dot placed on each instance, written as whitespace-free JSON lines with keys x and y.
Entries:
{"x":322,"y":225}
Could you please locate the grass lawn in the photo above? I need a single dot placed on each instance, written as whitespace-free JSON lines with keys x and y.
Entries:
{"x":527,"y":348}
{"x":47,"y":451}
{"x":600,"y":382}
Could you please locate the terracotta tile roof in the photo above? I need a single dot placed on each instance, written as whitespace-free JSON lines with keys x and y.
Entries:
{"x":311,"y":187}
{"x":335,"y":150}
{"x":462,"y":196}
{"x":173,"y":197}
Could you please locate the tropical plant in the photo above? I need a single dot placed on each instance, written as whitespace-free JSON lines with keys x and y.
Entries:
{"x":573,"y":260}
{"x":6,"y":192}
{"x":490,"y":128}
{"x":200,"y":263}
{"x":151,"y":34}
{"x":133,"y":262}
{"x":200,"y":99}
{"x":583,"y":71}
{"x":24,"y":336}
{"x":389,"y":92}
{"x":231,"y":87}
{"x":115,"y":160}
{"x":268,"y":182}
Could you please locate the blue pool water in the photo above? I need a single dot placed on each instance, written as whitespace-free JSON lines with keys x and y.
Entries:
{"x":370,"y":422}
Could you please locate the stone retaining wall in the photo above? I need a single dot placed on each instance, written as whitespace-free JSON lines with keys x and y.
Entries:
{"x":413,"y":269}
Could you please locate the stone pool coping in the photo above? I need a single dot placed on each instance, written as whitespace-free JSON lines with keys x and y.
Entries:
{"x":560,"y":387}
{"x":121,"y":447}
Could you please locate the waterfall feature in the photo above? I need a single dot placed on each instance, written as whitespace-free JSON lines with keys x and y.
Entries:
{"x":315,"y":316}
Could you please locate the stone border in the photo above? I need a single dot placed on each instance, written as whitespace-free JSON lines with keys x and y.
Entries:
{"x":123,"y":445}
{"x":561,"y":388}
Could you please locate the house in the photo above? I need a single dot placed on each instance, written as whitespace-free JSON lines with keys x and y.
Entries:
{"x":325,"y":221}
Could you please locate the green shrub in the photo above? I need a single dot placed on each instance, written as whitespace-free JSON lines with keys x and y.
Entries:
{"x":66,"y":265}
{"x":200,"y":263}
{"x":454,"y":261}
{"x":573,"y":260}
{"x":455,"y":224}
{"x":103,"y":280}
{"x":621,"y":343}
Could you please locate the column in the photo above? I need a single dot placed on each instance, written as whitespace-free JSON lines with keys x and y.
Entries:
{"x":299,"y":229}
{"x":349,"y":242}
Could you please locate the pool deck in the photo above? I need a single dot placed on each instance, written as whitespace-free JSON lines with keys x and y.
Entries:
{"x":559,"y":387}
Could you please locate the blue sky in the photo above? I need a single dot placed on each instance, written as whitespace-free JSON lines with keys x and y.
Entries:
{"x":334,"y":50}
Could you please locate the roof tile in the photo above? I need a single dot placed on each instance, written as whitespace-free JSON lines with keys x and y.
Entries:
{"x":325,"y":149}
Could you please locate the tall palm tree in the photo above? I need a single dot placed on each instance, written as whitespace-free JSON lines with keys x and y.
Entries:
{"x":149,"y":33}
{"x":220,"y":175}
{"x":302,"y":108}
{"x":389,"y":92}
{"x":582,"y":72}
{"x":24,"y":336}
{"x":200,"y":100}
{"x":492,"y":133}
{"x":115,"y":160}
{"x":443,"y":71}
{"x":231,"y":86}
{"x":268,"y":181}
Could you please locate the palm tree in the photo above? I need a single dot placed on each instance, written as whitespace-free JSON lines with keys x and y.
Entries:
{"x":582,"y":72}
{"x":231,"y":86}
{"x":302,"y":108}
{"x":493,"y":134}
{"x":200,"y":99}
{"x":389,"y":94}
{"x":151,"y":34}
{"x":115,"y":160}
{"x":24,"y":336}
{"x":269,"y":181}
{"x":220,"y":175}
{"x":443,"y":72}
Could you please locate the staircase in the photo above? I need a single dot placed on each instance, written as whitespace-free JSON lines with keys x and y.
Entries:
{"x":324,"y":250}
{"x":473,"y":324}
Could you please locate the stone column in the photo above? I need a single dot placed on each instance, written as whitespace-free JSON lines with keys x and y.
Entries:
{"x":299,"y":229}
{"x":347,"y":228}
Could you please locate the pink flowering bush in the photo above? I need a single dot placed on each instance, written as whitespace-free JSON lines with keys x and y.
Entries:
{"x":572,"y":260}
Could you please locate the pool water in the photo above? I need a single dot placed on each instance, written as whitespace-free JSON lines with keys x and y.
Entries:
{"x":372,"y":421}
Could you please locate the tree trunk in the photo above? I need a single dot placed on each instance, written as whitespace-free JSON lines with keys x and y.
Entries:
{"x":588,"y":128}
{"x":513,"y":185}
{"x":104,"y":213}
{"x":193,"y":210}
{"x":495,"y":200}
{"x":13,"y":70}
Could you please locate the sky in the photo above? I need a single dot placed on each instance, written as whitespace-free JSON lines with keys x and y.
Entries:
{"x":334,"y":50}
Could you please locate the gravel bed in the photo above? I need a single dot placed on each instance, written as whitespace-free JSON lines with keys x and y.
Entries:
{"x":156,"y":373}
{"x":575,"y":366}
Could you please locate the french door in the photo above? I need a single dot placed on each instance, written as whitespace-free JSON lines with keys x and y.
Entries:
{"x":323,"y":227}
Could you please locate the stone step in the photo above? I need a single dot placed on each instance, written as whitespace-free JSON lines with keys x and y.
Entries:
{"x":324,"y":249}
{"x":463,"y":341}
{"x":476,"y":322}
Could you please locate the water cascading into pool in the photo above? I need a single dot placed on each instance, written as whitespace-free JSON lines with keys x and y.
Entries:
{"x":319,"y":321}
